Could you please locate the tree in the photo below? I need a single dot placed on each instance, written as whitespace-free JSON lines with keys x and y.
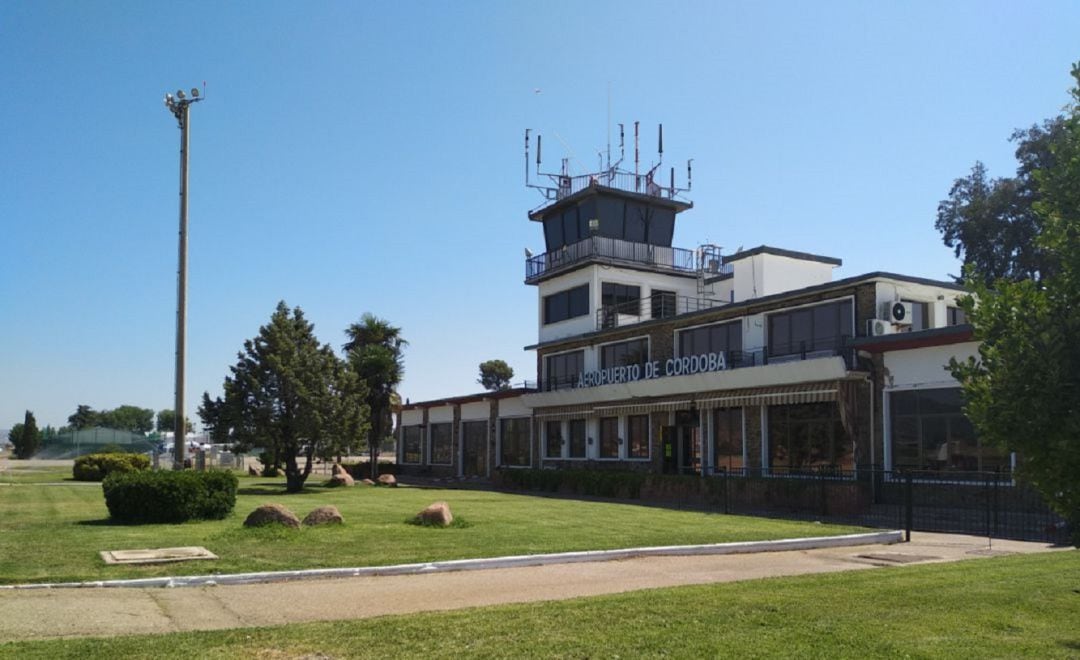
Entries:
{"x":25,"y":437}
{"x":375,"y":353}
{"x":166,"y":422}
{"x":128,"y":418}
{"x":15,"y":437}
{"x":84,"y":418}
{"x":495,"y":375}
{"x":1022,"y":390}
{"x":993,"y":223}
{"x":279,"y":395}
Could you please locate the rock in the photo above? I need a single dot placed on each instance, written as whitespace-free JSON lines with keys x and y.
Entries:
{"x":252,"y":472}
{"x":367,"y":482}
{"x":338,"y":469}
{"x":324,"y":515}
{"x":272,"y":514}
{"x":342,"y":479}
{"x":387,"y":480}
{"x":436,"y":514}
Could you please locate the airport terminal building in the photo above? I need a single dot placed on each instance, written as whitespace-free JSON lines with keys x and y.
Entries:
{"x":660,"y":359}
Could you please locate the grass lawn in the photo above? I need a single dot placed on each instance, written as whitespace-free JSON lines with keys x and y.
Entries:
{"x":1005,"y":607}
{"x":18,"y":474}
{"x":54,"y":533}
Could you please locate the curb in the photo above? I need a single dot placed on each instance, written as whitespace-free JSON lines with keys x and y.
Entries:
{"x":740,"y":547}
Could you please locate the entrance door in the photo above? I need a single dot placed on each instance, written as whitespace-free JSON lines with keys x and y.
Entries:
{"x":689,"y":450}
{"x":668,"y":450}
{"x":474,"y":449}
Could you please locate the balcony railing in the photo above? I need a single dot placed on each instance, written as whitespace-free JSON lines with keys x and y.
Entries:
{"x":612,"y":250}
{"x":657,"y":306}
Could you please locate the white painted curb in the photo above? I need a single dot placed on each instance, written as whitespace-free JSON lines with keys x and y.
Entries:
{"x":741,"y":547}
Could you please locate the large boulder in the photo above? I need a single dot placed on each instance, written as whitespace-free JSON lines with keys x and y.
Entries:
{"x":343,"y":479}
{"x":437,"y":514}
{"x":272,"y":514}
{"x":367,"y":482}
{"x":387,"y":480}
{"x":324,"y":515}
{"x":338,"y":469}
{"x":252,"y":472}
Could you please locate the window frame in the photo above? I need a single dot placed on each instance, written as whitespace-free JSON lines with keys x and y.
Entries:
{"x":629,"y":456}
{"x":419,"y":444}
{"x":572,"y":383}
{"x":600,"y":439}
{"x":600,"y":348}
{"x":553,"y":299}
{"x":501,"y":434}
{"x":431,"y":442}
{"x":786,"y":311}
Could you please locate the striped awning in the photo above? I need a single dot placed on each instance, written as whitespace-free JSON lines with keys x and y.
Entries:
{"x":644,"y":407}
{"x":774,"y":396}
{"x":566,"y":412}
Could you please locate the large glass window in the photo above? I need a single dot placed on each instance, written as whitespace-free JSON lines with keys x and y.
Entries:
{"x":514,"y":442}
{"x":930,"y":432}
{"x":441,"y":444}
{"x":566,"y":304}
{"x":625,"y":353}
{"x":410,"y":444}
{"x":577,"y":438}
{"x":553,"y":440}
{"x":920,"y":315}
{"x":811,"y":329}
{"x":609,"y":437}
{"x":637,"y":427}
{"x":808,"y":436}
{"x":663,"y":304}
{"x":728,"y":439}
{"x":626,"y":299}
{"x":723,"y":338}
{"x":562,"y":370}
{"x":956,"y":316}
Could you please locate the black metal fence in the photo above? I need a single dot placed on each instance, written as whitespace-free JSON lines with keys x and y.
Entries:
{"x":614,"y":250}
{"x":980,"y":503}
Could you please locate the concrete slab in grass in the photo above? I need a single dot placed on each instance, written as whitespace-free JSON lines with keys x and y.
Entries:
{"x":156,"y":555}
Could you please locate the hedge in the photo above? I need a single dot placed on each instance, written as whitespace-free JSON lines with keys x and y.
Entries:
{"x":169,"y":497}
{"x":95,"y":467}
{"x":598,"y":483}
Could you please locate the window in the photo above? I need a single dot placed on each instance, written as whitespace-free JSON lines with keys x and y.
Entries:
{"x":728,"y":439}
{"x":568,"y":304}
{"x":637,"y":427}
{"x":553,"y":439}
{"x":441,"y":450}
{"x":514,"y":442}
{"x":609,"y":437}
{"x":810,"y":329}
{"x":410,"y":451}
{"x":956,"y":316}
{"x":808,"y":436}
{"x":624,"y":354}
{"x":624,"y":298}
{"x":563,"y":370}
{"x":662,"y":304}
{"x":930,"y":432}
{"x":920,"y":315}
{"x":723,"y":338}
{"x":577,"y":438}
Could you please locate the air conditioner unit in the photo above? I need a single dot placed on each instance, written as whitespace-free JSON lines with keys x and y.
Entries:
{"x":896,"y":312}
{"x":878,"y":327}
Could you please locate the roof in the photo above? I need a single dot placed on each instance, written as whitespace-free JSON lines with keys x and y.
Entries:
{"x":570,"y":200}
{"x":901,"y":341}
{"x":468,"y":398}
{"x":780,"y":252}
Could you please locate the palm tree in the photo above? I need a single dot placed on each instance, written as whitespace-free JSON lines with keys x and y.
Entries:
{"x":375,"y":352}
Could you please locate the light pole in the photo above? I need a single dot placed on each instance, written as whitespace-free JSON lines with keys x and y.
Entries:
{"x":180,"y":107}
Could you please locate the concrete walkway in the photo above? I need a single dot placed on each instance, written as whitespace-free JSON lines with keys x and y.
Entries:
{"x":38,"y":614}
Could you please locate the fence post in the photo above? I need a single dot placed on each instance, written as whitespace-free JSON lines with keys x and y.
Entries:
{"x":727,"y":492}
{"x":821,"y":494}
{"x":908,"y":506}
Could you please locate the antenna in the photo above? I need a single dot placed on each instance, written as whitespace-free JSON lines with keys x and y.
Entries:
{"x":526,"y":157}
{"x":661,"y":147}
{"x":637,"y":182}
{"x":689,"y":174}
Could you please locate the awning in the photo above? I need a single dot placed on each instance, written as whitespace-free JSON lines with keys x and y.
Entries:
{"x":774,"y":396}
{"x":568,"y":412}
{"x":644,"y":407}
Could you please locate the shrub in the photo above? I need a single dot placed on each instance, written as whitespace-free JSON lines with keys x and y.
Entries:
{"x":95,"y":467}
{"x":599,"y":483}
{"x":169,"y":497}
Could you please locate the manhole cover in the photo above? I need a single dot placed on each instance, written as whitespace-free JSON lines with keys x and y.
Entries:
{"x":897,"y":557}
{"x":156,"y":555}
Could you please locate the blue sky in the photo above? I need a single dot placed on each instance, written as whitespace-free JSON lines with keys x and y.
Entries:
{"x":355,"y":157}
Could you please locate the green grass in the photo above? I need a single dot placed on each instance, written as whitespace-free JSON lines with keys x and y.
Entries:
{"x":1006,"y":607}
{"x":54,"y":533}
{"x":18,"y":474}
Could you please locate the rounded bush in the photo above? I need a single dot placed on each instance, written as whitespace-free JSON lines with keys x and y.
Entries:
{"x":169,"y":497}
{"x":95,"y":467}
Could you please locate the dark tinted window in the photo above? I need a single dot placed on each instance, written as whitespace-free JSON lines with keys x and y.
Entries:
{"x":930,"y":432}
{"x":637,"y":428}
{"x":920,"y":315}
{"x":441,"y":444}
{"x":625,"y":353}
{"x":562,"y":371}
{"x":609,"y":437}
{"x":625,"y":297}
{"x":566,"y":304}
{"x":514,"y":441}
{"x":411,"y":444}
{"x":728,"y":439}
{"x":577,"y":438}
{"x":721,"y":337}
{"x":808,"y":437}
{"x":553,"y":440}
{"x":817,"y":328}
{"x":663,"y":304}
{"x":553,"y":233}
{"x":956,"y":316}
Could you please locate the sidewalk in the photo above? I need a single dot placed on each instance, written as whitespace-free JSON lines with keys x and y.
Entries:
{"x":38,"y":614}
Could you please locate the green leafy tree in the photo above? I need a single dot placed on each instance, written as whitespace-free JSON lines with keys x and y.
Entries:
{"x":495,"y":375}
{"x":375,"y":353}
{"x":993,"y":223}
{"x":279,"y":395}
{"x":166,"y":422}
{"x":1022,"y":390}
{"x":84,"y":418}
{"x":128,"y":418}
{"x":15,"y":437}
{"x":28,"y":440}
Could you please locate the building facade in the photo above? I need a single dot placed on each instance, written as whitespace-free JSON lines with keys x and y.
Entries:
{"x":660,"y":359}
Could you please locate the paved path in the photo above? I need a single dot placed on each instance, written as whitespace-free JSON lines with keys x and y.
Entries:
{"x":37,"y":614}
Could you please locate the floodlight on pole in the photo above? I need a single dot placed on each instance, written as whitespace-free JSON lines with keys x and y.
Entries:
{"x":180,"y":108}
